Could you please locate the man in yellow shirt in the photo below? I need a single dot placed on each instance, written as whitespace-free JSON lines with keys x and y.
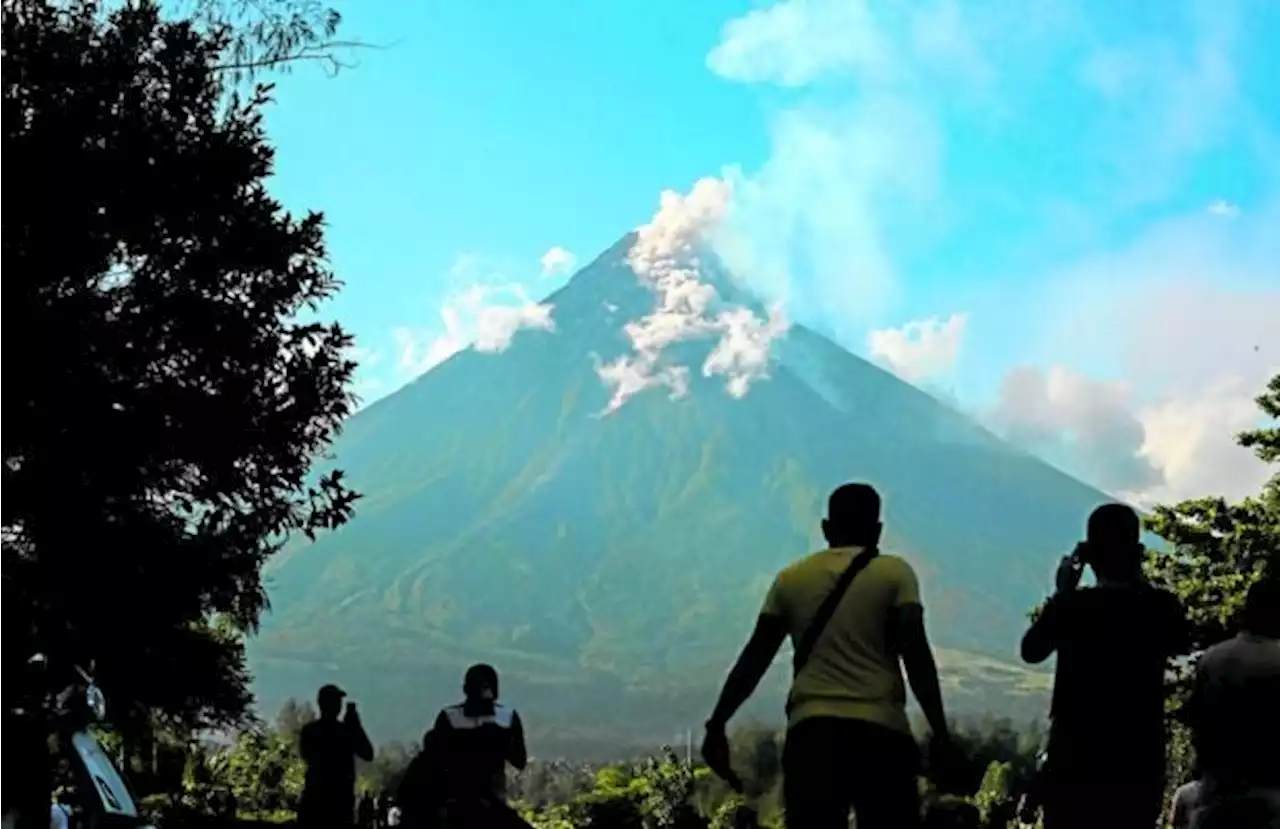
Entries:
{"x":848,"y":742}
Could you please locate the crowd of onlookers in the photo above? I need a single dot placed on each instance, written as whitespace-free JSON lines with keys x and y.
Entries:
{"x":857,"y":623}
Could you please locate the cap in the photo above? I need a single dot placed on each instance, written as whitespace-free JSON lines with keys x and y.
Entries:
{"x":331,"y":691}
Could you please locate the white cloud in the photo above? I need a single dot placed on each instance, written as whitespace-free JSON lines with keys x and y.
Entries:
{"x":1223,"y":209}
{"x":854,"y":168}
{"x":665,"y":257}
{"x":557,"y":261}
{"x":796,"y":42}
{"x":1146,"y":354}
{"x":921,"y":349}
{"x":1087,"y":425}
{"x":1186,"y":313}
{"x":485,"y":317}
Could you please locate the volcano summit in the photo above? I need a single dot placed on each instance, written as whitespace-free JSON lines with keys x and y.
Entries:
{"x":598,"y":510}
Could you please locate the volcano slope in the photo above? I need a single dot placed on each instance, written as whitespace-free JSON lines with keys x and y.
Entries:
{"x":602,"y":526}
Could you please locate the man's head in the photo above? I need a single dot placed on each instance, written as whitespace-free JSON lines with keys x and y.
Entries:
{"x":1115,"y":548}
{"x":481,"y":683}
{"x":1261,"y":615}
{"x":329,"y":701}
{"x":853,"y":517}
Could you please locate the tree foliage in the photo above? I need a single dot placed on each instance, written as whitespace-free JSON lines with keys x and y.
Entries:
{"x":165,"y":401}
{"x":271,"y":35}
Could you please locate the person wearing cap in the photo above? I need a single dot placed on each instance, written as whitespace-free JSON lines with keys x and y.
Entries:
{"x":1106,"y":749}
{"x":330,"y":746}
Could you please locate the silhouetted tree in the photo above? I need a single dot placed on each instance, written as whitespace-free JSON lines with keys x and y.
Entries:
{"x":293,"y":716}
{"x":167,"y":390}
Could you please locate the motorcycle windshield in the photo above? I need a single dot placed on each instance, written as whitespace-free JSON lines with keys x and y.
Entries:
{"x":113,"y":793}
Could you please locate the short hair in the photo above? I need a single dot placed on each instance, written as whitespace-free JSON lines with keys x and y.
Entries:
{"x":480,"y":676}
{"x":1261,"y":613}
{"x":854,"y":504}
{"x":1114,"y":525}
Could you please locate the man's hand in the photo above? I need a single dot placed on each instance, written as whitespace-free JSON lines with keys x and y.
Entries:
{"x":1070,"y":569}
{"x":715,"y":751}
{"x":948,"y":766}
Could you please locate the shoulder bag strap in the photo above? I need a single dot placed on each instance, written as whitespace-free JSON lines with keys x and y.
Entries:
{"x":804,"y":647}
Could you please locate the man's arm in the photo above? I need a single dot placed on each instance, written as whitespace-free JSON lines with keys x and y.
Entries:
{"x":752,"y":664}
{"x":906,"y":637}
{"x":307,"y":743}
{"x":360,"y":745}
{"x":1041,"y":639}
{"x":1192,"y":712}
{"x":1178,"y":633}
{"x":912,"y":643}
{"x":518,"y":755}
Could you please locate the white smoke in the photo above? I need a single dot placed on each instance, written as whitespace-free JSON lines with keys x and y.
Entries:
{"x":665,"y":258}
{"x":921,"y":349}
{"x":485,"y":317}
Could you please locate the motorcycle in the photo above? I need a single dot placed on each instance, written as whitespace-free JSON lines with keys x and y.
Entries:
{"x":95,"y":793}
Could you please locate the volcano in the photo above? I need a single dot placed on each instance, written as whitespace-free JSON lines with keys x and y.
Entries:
{"x":598,"y":511}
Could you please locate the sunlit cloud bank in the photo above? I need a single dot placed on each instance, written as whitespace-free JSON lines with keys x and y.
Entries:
{"x":1185,"y":319}
{"x":665,"y":257}
{"x":1148,"y":351}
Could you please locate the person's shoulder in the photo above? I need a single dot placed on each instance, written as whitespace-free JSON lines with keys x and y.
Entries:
{"x":1164,"y":602}
{"x":894,"y":565}
{"x":804,"y":566}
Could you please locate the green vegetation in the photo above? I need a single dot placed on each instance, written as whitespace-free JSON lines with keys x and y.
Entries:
{"x":259,"y":776}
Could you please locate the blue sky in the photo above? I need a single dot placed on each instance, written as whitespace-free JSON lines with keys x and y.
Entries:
{"x":1089,"y":193}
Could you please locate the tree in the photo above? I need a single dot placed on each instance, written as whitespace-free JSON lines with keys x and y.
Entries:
{"x":1217,"y":551}
{"x":293,"y":716}
{"x":265,"y":771}
{"x":166,"y":401}
{"x":271,"y":35}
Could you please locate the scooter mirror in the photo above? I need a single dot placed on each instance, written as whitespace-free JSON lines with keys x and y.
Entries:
{"x":96,"y":701}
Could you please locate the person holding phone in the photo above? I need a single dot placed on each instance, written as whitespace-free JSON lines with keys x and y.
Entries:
{"x":329,"y":747}
{"x":1106,"y":748}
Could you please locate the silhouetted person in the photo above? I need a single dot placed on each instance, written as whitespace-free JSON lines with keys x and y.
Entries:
{"x":366,"y":811}
{"x":1106,"y":751}
{"x":1234,"y":714}
{"x":330,"y":746}
{"x":848,"y":742}
{"x":1187,"y":800}
{"x":420,"y":793}
{"x":477,"y":739}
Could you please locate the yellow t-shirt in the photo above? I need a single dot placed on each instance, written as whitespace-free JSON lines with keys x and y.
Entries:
{"x":850,"y":672}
